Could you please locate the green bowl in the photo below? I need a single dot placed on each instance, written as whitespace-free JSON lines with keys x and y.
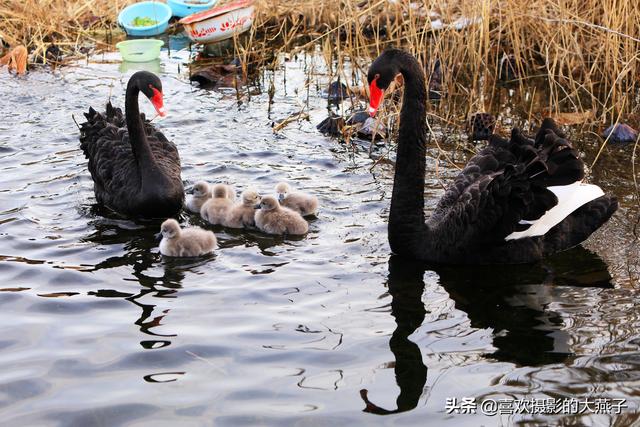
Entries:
{"x":140,"y":50}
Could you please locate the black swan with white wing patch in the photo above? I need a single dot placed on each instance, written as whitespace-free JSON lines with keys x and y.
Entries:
{"x":516,"y":201}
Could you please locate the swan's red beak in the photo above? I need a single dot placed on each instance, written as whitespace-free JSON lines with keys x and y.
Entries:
{"x":375,"y":97}
{"x":157,"y":102}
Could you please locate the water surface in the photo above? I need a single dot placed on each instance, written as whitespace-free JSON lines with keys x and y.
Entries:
{"x":98,"y":329}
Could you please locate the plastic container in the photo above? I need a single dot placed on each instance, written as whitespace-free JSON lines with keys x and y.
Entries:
{"x":182,"y":9}
{"x":159,"y":12}
{"x":219,"y":23}
{"x":140,"y":50}
{"x":154,"y":66}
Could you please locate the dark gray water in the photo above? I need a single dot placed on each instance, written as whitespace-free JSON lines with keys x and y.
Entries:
{"x":96,"y":328}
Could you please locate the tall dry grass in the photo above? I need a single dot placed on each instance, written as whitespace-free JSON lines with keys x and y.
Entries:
{"x":37,"y":24}
{"x":586,"y":51}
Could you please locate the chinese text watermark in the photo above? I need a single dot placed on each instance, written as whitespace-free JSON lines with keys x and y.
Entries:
{"x":542,"y":406}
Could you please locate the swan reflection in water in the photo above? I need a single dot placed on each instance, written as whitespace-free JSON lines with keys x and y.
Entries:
{"x":139,"y":243}
{"x":510,"y":300}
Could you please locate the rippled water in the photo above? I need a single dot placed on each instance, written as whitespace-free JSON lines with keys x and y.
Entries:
{"x":98,"y":329}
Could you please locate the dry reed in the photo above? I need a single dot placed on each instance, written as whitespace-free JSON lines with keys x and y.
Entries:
{"x":585,"y":51}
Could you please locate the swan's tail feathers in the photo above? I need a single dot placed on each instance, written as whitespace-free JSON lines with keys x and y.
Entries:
{"x":98,"y":125}
{"x":554,"y":172}
{"x":569,"y":199}
{"x":578,"y":226}
{"x":111,"y":112}
{"x":554,"y":162}
{"x":547,"y":126}
{"x":89,"y":130}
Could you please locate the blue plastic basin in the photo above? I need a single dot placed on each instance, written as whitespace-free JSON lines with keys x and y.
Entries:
{"x":182,"y":9}
{"x":150,"y":9}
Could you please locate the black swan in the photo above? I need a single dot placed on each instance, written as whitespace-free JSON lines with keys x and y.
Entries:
{"x":516,"y":201}
{"x":135,"y":169}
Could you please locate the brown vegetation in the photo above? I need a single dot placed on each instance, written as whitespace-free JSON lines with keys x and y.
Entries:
{"x":585,"y":51}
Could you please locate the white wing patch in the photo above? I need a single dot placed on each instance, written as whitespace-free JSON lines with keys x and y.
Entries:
{"x":570,"y":197}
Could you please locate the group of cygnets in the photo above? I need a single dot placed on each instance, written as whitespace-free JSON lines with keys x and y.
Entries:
{"x":217,"y":205}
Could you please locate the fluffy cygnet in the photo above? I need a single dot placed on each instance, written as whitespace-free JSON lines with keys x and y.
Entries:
{"x":242,"y":214}
{"x":187,"y":242}
{"x":231,"y":192}
{"x":201,"y":193}
{"x":215,"y":210}
{"x":304,"y":204}
{"x":275,"y":219}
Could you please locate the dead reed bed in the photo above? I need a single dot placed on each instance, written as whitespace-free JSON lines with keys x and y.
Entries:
{"x":68,"y":25}
{"x":586,"y":52}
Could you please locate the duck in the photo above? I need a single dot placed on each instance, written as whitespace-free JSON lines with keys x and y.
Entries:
{"x":272,"y":218}
{"x":135,"y":168}
{"x":242,"y":214}
{"x":304,"y":204}
{"x":215,"y":209}
{"x":517,"y":201}
{"x":201,"y":193}
{"x":187,"y":242}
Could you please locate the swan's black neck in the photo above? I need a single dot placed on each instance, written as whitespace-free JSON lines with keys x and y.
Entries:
{"x":406,"y":218}
{"x":137,"y":137}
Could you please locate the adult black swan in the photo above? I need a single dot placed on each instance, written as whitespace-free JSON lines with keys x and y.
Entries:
{"x":516,"y":201}
{"x":135,"y":169}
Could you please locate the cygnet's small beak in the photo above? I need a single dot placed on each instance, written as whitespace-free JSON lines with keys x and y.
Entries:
{"x":280,"y":197}
{"x":158,"y":237}
{"x":256,"y":206}
{"x":189,"y":190}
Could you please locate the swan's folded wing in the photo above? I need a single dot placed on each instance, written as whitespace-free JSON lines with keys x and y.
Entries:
{"x":492,"y":200}
{"x":166,"y":152}
{"x":494,"y":158}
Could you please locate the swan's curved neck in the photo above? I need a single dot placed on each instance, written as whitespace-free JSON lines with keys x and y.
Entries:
{"x":137,"y":136}
{"x":406,"y":217}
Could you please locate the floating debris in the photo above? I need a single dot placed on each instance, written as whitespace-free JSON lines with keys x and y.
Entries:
{"x":365,"y":125}
{"x":359,"y":117}
{"x":217,"y":75}
{"x":570,"y":118}
{"x":368,"y":129}
{"x":278,"y":125}
{"x":332,"y":125}
{"x":481,"y":126}
{"x":620,"y":133}
{"x":359,"y":123}
{"x":336,"y":93}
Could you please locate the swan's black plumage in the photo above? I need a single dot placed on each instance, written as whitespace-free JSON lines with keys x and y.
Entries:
{"x":502,"y":186}
{"x":135,"y":169}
